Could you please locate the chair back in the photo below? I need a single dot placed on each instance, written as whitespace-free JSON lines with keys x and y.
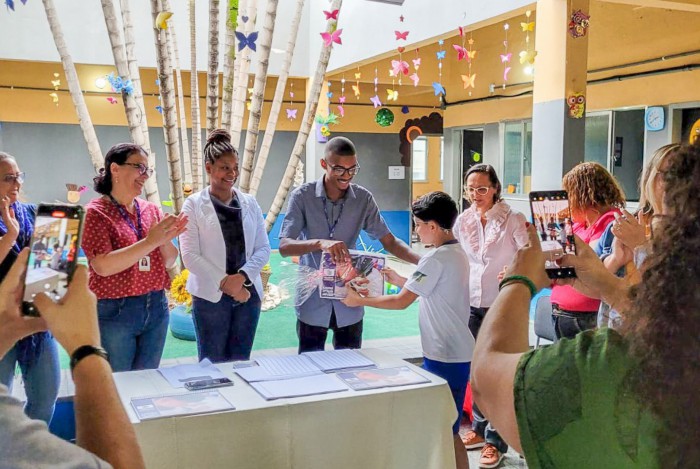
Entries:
{"x":544,"y":327}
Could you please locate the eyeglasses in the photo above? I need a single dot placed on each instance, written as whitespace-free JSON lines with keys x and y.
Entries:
{"x":341,"y":170}
{"x":10,"y":178}
{"x":479,"y":190}
{"x":141,"y":168}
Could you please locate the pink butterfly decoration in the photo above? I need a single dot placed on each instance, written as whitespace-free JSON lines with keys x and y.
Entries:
{"x":415,"y":78}
{"x":376,"y":101}
{"x":341,"y":110}
{"x":505,"y":73}
{"x":291,"y":114}
{"x":416,"y":63}
{"x":399,"y":66}
{"x":331,"y":15}
{"x":330,"y":38}
{"x":461,"y":31}
{"x":82,"y":189}
{"x":401,"y":35}
{"x":341,"y":99}
{"x":112,"y":100}
{"x":506,"y":57}
{"x":461,"y":51}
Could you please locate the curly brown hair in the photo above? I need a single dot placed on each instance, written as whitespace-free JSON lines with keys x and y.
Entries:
{"x":663,"y":326}
{"x":590,"y":185}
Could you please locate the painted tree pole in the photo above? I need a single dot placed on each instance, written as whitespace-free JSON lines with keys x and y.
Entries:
{"x":303,"y":135}
{"x":277,"y":101}
{"x":76,"y":94}
{"x":241,"y":87}
{"x":197,"y":176}
{"x":213,"y":71}
{"x":229,"y":60}
{"x":133,"y":113}
{"x":251,"y":135}
{"x":167,"y":95}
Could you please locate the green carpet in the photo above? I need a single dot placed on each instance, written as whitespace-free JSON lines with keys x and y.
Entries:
{"x":277,"y":327}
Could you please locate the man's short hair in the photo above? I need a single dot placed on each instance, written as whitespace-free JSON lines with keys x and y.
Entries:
{"x":438,"y":207}
{"x":340,"y":146}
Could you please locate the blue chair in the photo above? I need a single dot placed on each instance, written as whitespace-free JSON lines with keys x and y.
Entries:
{"x":544,"y":326}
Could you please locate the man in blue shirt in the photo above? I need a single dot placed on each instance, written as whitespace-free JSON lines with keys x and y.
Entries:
{"x":328,"y":215}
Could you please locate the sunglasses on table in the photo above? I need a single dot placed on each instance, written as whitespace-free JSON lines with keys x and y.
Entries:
{"x":141,"y":168}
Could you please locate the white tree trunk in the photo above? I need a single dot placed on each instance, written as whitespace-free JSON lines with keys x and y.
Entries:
{"x":276,"y":102}
{"x":229,"y":58}
{"x":133,"y":113}
{"x":175,"y":61}
{"x":251,"y":135}
{"x":213,"y":74}
{"x":197,"y":177}
{"x":303,"y":135}
{"x":93,"y":145}
{"x":240,"y":89}
{"x":167,"y":95}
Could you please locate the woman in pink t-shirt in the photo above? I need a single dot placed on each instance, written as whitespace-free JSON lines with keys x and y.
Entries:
{"x":595,"y":197}
{"x":128,"y":243}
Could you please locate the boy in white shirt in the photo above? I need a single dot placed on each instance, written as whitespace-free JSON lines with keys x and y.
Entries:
{"x":441,"y":280}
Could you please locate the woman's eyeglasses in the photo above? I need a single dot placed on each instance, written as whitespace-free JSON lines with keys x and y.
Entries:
{"x":141,"y":168}
{"x":10,"y":178}
{"x":479,"y":190}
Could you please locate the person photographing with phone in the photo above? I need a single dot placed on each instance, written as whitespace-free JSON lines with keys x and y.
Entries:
{"x":36,"y":354}
{"x":128,"y":243}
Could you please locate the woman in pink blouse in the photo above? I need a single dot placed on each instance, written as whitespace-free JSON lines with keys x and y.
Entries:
{"x":128,"y":243}
{"x":490,"y":232}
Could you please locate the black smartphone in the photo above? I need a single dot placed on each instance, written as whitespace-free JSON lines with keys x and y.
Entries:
{"x":551,"y":215}
{"x":54,"y":252}
{"x":208,"y":384}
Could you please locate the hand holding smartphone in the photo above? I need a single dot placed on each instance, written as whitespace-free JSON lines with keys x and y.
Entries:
{"x":551,"y":216}
{"x":54,"y":253}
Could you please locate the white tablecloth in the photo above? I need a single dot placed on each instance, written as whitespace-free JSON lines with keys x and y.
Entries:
{"x":401,"y":427}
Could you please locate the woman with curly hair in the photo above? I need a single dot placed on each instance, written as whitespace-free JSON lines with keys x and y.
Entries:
{"x":595,"y":199}
{"x":630,"y":395}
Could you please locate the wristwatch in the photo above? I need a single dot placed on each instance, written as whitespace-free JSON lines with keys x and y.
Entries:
{"x":85,"y":351}
{"x":246,"y":279}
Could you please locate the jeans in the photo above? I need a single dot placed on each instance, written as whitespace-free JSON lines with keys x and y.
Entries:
{"x":41,"y":379}
{"x":567,"y":324}
{"x":313,"y":338}
{"x":480,"y":425}
{"x":226,"y":329}
{"x":457,"y":377}
{"x":133,"y":330}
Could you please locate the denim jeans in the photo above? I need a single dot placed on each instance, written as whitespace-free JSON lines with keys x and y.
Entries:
{"x":226,"y":329}
{"x":567,"y":324}
{"x":313,"y":338}
{"x":133,"y":330}
{"x":41,"y":379}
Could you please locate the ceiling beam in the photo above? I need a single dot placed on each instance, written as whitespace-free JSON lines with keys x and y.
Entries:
{"x":663,"y":4}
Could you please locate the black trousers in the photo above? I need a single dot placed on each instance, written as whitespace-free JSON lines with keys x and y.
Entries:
{"x":313,"y":338}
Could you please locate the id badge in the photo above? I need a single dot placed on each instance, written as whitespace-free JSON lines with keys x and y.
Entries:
{"x":145,"y":264}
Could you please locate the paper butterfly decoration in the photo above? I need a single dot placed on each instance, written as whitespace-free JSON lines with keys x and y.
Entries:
{"x":11,"y":4}
{"x":392,"y":95}
{"x":416,"y":63}
{"x":247,"y":41}
{"x":330,"y":38}
{"x":438,"y":88}
{"x":291,"y":114}
{"x":468,"y":80}
{"x":112,"y":100}
{"x":162,"y":19}
{"x":56,"y":84}
{"x":528,"y":56}
{"x":441,"y":41}
{"x":440,"y":54}
{"x":401,"y":35}
{"x":159,"y":109}
{"x":329,"y":95}
{"x":358,"y":75}
{"x":376,"y":101}
{"x":157,"y":81}
{"x":471,"y":55}
{"x":506,"y":57}
{"x":461,"y":51}
{"x":341,"y":99}
{"x":530,"y":26}
{"x":356,"y":90}
{"x":399,"y":66}
{"x":341,"y":110}
{"x":331,"y":15}
{"x":415,"y":78}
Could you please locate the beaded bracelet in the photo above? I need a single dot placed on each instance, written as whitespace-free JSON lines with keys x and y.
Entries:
{"x":519,"y":279}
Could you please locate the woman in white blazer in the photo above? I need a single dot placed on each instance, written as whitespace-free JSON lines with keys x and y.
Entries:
{"x":225,"y":247}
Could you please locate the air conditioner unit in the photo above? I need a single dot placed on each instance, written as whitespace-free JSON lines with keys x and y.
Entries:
{"x":390,"y":2}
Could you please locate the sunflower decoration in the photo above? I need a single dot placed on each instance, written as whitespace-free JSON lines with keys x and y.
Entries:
{"x":178,"y":289}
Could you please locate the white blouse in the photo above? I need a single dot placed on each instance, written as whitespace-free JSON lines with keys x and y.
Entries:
{"x":489,"y":248}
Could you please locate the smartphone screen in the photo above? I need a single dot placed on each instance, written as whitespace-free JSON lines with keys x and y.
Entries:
{"x":551,"y":216}
{"x":54,"y":252}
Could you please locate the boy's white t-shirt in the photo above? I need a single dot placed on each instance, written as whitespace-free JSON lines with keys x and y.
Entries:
{"x":441,"y":280}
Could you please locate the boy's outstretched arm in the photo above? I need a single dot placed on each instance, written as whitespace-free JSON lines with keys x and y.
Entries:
{"x":400,"y":301}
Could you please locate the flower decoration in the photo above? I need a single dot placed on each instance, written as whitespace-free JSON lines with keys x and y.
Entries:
{"x":119,"y":85}
{"x":178,"y":289}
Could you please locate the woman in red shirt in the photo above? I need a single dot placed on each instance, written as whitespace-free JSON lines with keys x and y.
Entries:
{"x":128,"y":243}
{"x":595,"y":197}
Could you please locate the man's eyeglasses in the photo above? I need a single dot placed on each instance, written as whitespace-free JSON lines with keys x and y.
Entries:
{"x":10,"y":178}
{"x":479,"y":190}
{"x":141,"y":168}
{"x":341,"y":170}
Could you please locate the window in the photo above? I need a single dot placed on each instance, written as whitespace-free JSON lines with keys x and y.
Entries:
{"x":420,"y":159}
{"x":597,"y":140}
{"x":517,"y":157}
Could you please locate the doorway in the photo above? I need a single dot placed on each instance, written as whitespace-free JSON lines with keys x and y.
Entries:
{"x":427,"y":170}
{"x":472,"y":154}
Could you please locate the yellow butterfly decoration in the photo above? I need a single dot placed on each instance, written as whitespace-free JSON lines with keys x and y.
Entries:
{"x":358,"y":75}
{"x":162,"y":19}
{"x":56,"y":84}
{"x":471,"y":54}
{"x":250,"y":91}
{"x":54,"y":97}
{"x":392,"y":95}
{"x":247,"y":105}
{"x":468,"y":81}
{"x":356,"y":90}
{"x":528,"y":56}
{"x":528,"y":26}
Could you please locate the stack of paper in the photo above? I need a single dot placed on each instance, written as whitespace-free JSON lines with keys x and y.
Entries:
{"x":330,"y":361}
{"x":178,"y":375}
{"x":297,"y":387}
{"x":275,"y":368}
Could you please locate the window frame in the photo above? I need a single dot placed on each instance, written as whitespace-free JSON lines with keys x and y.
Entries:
{"x":425,"y":160}
{"x":502,"y":137}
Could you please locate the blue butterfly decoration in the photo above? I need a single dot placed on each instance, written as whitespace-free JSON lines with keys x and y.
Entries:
{"x":159,"y":109}
{"x":438,"y":88}
{"x":10,"y":4}
{"x":249,"y":41}
{"x":329,"y":94}
{"x":441,"y":54}
{"x":119,"y":85}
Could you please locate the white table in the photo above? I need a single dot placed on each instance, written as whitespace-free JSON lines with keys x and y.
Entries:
{"x":401,"y":427}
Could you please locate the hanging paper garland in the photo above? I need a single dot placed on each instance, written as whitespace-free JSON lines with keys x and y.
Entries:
{"x":341,"y":98}
{"x":469,"y":79}
{"x":438,"y":89}
{"x":356,"y":86}
{"x":376,"y":102}
{"x":384,"y":117}
{"x":291,"y":110}
{"x":333,"y":35}
{"x":506,"y":56}
{"x":528,"y":55}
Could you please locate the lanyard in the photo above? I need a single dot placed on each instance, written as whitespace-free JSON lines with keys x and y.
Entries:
{"x":125,"y":215}
{"x":331,"y":226}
